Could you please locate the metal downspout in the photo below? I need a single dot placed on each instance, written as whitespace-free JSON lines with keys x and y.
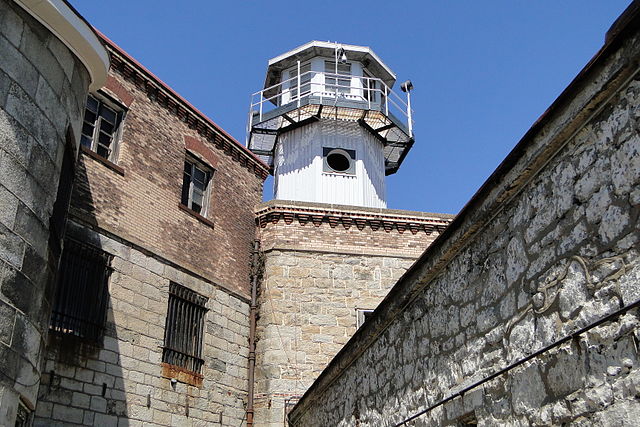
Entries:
{"x":253,"y":311}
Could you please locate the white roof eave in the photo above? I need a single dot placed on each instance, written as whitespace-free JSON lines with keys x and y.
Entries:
{"x":331,"y":45}
{"x":75,"y":33}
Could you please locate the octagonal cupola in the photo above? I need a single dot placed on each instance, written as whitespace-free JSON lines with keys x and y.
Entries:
{"x":329,"y":124}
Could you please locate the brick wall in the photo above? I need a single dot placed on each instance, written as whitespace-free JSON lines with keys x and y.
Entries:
{"x":139,"y":199}
{"x":130,"y":208}
{"x":347,"y":229}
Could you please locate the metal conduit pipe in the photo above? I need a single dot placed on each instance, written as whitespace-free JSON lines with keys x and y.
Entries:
{"x":253,"y":313}
{"x":537,"y":353}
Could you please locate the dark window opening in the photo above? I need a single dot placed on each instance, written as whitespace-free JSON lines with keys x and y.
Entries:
{"x":58,"y":219}
{"x":363,"y":314}
{"x":338,"y":160}
{"x":184,"y":328}
{"x":195,"y":186}
{"x":80,"y":307}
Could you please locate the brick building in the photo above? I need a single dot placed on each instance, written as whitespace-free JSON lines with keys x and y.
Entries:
{"x":171,"y":294}
{"x":144,"y":282}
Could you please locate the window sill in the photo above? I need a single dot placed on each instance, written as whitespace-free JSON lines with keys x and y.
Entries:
{"x":347,"y":174}
{"x":196,"y":215}
{"x":102,"y":160}
{"x":181,"y":374}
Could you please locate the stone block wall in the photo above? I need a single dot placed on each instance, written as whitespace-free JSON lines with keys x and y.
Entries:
{"x":522,"y":285}
{"x":42,"y":92}
{"x":317,"y":275}
{"x":120,"y":381}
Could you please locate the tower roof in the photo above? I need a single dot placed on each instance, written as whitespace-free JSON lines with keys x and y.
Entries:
{"x":362,"y":54}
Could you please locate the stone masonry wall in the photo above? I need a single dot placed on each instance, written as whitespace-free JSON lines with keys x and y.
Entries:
{"x":323,"y":263}
{"x":140,"y":201}
{"x":308,"y":311}
{"x":551,"y":247}
{"x":120,"y":381}
{"x":42,"y":92}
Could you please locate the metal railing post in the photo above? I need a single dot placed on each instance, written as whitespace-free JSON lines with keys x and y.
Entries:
{"x":386,"y":101}
{"x":298,"y":85}
{"x":409,"y":114}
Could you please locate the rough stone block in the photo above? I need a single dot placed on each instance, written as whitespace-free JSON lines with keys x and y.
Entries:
{"x":67,"y":414}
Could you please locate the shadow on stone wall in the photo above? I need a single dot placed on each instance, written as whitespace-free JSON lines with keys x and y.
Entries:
{"x":83,"y":380}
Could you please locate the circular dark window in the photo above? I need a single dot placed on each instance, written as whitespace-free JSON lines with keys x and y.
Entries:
{"x":338,"y":161}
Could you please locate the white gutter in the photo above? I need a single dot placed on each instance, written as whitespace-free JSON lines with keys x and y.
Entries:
{"x":74,"y":32}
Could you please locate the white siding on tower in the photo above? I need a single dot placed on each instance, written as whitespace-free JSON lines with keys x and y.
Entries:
{"x":298,"y":166}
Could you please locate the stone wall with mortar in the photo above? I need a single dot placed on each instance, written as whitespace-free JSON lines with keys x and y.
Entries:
{"x":120,"y":381}
{"x":548,"y":246}
{"x":318,"y":274}
{"x":43,"y":87}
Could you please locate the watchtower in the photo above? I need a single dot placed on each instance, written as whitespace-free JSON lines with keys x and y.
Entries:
{"x":329,"y":124}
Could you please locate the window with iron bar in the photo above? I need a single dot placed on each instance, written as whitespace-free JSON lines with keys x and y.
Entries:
{"x":101,"y":126}
{"x":80,"y":307}
{"x":184,"y":328}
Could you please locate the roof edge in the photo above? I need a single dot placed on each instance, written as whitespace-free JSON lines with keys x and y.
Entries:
{"x":149,"y":75}
{"x":336,"y":209}
{"x":72,"y":29}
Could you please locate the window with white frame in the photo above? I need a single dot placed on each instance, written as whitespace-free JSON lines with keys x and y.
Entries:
{"x":369,"y":87}
{"x":305,"y":81}
{"x":339,"y":82}
{"x":101,"y":126}
{"x":196,"y":183}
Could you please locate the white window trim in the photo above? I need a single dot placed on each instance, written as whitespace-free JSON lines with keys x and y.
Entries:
{"x":121,"y":112}
{"x":206,"y":196}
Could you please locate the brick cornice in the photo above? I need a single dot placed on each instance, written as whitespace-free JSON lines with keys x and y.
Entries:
{"x":316,"y":215}
{"x":174,"y":103}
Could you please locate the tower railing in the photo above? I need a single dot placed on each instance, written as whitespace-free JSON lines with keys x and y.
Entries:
{"x":366,"y":93}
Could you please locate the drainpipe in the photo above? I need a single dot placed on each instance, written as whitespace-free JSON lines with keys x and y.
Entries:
{"x":253,"y":312}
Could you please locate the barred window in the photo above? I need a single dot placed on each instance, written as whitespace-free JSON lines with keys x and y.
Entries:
{"x":80,"y":306}
{"x":184,"y":328}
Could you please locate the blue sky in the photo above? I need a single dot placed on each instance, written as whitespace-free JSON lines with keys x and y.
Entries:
{"x":483,"y":71}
